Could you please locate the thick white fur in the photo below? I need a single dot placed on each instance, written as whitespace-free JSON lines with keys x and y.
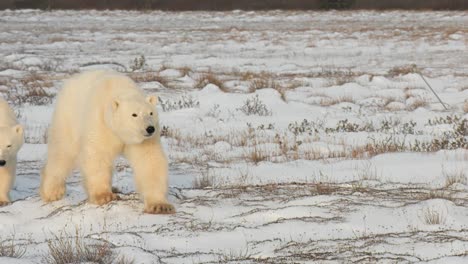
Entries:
{"x":11,"y":140}
{"x":93,"y":124}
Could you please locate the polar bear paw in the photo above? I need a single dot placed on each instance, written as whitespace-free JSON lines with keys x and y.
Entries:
{"x":160,"y":208}
{"x":4,"y":203}
{"x":52,"y":194}
{"x":103,"y":198}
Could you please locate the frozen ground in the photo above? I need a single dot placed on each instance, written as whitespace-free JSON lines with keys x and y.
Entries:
{"x":344,"y":156}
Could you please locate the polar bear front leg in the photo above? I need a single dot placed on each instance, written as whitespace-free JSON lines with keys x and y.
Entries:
{"x":96,"y":168}
{"x":6,"y":181}
{"x":151,"y":169}
{"x":54,"y":175}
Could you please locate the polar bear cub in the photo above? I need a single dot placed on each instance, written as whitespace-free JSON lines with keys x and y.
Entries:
{"x":11,"y":140}
{"x":100,"y":115}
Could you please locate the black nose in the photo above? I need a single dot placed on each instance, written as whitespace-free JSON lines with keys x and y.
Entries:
{"x":150,"y":129}
{"x":2,"y":163}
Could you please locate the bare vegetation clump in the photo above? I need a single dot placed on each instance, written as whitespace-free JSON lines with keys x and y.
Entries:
{"x":150,"y":77}
{"x":323,"y":188}
{"x":335,"y":76}
{"x":417,"y":103}
{"x":402,"y":70}
{"x":379,"y":146}
{"x":367,"y":172}
{"x":254,"y":106}
{"x":437,"y":194}
{"x":392,"y":126}
{"x":169,"y":132}
{"x":8,"y":248}
{"x":454,"y":176}
{"x":453,"y":139}
{"x":327,"y":101}
{"x":256,"y":154}
{"x":432,"y":216}
{"x":51,"y":65}
{"x":208,"y":78}
{"x":205,"y":180}
{"x":265,"y":80}
{"x":138,"y":63}
{"x":305,"y":127}
{"x":31,"y":90}
{"x":214,"y":111}
{"x":347,"y":126}
{"x":185,"y":70}
{"x":185,"y":101}
{"x":65,"y":248}
{"x":262,"y":83}
{"x":234,"y":256}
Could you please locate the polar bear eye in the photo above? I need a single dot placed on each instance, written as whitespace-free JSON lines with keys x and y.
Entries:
{"x":151,"y":113}
{"x":134,"y":115}
{"x":9,"y":146}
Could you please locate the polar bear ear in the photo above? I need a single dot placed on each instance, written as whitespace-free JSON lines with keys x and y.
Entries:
{"x":115,"y":104}
{"x":18,"y":129}
{"x":152,"y":99}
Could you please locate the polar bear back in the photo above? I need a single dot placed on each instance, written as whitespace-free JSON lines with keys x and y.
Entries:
{"x":80,"y":90}
{"x":86,"y":96}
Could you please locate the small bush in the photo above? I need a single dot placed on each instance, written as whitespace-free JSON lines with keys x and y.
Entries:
{"x":185,"y":101}
{"x":208,"y":78}
{"x":433,"y":217}
{"x":30,"y":90}
{"x":402,"y":70}
{"x":64,"y":249}
{"x":254,"y":106}
{"x":305,"y":127}
{"x":454,"y":176}
{"x":139,"y":63}
{"x":9,"y":249}
{"x":214,"y":111}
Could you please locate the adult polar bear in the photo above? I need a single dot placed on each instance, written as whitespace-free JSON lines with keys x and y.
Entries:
{"x":100,"y":115}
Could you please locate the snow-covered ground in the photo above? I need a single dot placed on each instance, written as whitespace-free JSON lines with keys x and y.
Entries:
{"x":293,"y":137}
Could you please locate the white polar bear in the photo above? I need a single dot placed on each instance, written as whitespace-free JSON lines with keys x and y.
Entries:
{"x":11,"y":140}
{"x":98,"y":116}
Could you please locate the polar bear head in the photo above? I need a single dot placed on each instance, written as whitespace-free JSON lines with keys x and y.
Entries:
{"x":134,"y":119}
{"x":11,"y":140}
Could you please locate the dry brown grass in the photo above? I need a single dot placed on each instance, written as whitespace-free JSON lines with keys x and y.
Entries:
{"x":207,"y":78}
{"x":261,"y":83}
{"x":328,"y":101}
{"x":36,"y":79}
{"x":454,"y":176}
{"x":376,"y":147}
{"x":185,"y":70}
{"x":322,"y":188}
{"x":150,"y":77}
{"x":402,"y":70}
{"x":9,"y":248}
{"x":256,"y":155}
{"x":66,"y":248}
{"x":417,"y":103}
{"x":432,"y":216}
{"x":204,"y":180}
{"x":33,"y":90}
{"x":437,"y":194}
{"x":367,"y":171}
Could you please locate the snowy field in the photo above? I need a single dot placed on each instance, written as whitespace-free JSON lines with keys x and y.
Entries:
{"x":293,"y":137}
